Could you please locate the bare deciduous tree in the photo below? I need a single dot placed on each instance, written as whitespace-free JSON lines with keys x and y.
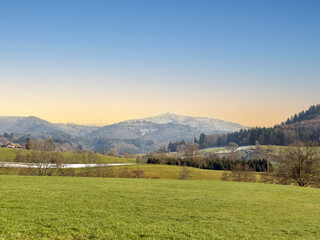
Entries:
{"x":19,"y":157}
{"x":163,"y":158}
{"x":199,"y":160}
{"x":233,"y":146}
{"x":44,"y":145}
{"x":185,"y":173}
{"x":300,"y":163}
{"x":191,"y":149}
{"x":112,"y":152}
{"x":162,"y":149}
{"x":45,"y":162}
{"x":86,"y":157}
{"x":239,"y":173}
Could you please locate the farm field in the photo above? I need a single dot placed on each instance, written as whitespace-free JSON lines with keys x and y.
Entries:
{"x":173,"y":172}
{"x":9,"y":154}
{"x":99,"y":208}
{"x":150,"y":171}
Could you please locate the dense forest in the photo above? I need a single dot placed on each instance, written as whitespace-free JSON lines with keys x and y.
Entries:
{"x":256,"y":165}
{"x":304,"y":126}
{"x":312,"y":113}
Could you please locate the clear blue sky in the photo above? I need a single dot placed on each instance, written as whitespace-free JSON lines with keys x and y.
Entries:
{"x":115,"y":60}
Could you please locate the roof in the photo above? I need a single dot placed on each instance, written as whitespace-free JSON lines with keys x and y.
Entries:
{"x":16,"y":145}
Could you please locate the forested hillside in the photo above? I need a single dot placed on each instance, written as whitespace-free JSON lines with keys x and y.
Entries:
{"x":304,"y":126}
{"x":139,"y":136}
{"x":311,"y":114}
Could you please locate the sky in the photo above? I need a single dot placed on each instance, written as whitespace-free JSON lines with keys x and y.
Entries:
{"x":99,"y":62}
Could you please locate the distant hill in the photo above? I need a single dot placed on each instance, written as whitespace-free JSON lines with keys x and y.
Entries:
{"x":166,"y":127}
{"x":38,"y":127}
{"x":133,"y":135}
{"x":304,"y":126}
{"x":147,"y":131}
{"x":313,"y":113}
{"x":202,"y":124}
{"x":31,"y":125}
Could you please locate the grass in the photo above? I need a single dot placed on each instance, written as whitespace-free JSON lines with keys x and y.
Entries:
{"x":173,"y":172}
{"x":9,"y":154}
{"x":98,"y":208}
{"x":153,"y":171}
{"x":213,"y":150}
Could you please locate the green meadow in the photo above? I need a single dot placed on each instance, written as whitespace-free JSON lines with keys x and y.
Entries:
{"x":111,"y":208}
{"x":173,"y":172}
{"x":153,"y":171}
{"x":9,"y":154}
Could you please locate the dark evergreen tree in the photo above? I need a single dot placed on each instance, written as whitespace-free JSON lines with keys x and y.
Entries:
{"x":79,"y":147}
{"x":203,"y":141}
{"x":304,"y":126}
{"x":28,"y":144}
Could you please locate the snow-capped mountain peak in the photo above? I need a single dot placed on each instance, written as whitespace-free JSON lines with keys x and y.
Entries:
{"x":203,"y":124}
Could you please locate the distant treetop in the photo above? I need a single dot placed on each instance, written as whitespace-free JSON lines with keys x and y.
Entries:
{"x":312,"y":113}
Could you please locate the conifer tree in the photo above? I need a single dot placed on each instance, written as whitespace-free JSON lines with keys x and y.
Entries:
{"x":202,"y":140}
{"x":28,"y":144}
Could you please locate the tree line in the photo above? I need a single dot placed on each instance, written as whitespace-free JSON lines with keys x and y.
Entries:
{"x":297,"y":164}
{"x":311,"y":113}
{"x":257,"y":165}
{"x":304,"y":127}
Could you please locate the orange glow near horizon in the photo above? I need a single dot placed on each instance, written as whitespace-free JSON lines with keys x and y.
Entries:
{"x":103,"y":110}
{"x":107,"y":104}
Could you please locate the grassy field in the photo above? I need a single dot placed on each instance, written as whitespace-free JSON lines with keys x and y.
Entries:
{"x":98,"y":208}
{"x":153,"y":171}
{"x":173,"y":172}
{"x":213,"y":150}
{"x":9,"y":154}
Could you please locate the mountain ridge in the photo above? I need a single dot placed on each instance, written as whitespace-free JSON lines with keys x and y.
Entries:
{"x":301,"y":127}
{"x":148,"y":133}
{"x":216,"y":124}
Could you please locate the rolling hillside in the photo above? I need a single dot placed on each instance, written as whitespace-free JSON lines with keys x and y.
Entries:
{"x":38,"y":127}
{"x":101,"y":208}
{"x":304,"y":126}
{"x":142,"y":135}
{"x":9,"y":155}
{"x":147,"y":131}
{"x":202,"y":124}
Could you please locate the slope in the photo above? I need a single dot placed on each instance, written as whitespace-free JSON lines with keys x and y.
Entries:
{"x":64,"y":207}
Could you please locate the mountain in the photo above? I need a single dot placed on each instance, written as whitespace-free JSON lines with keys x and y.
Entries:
{"x":137,"y":135}
{"x":165,"y":128}
{"x":203,"y":124}
{"x":27,"y":125}
{"x":76,"y":130}
{"x":304,"y":126}
{"x":147,"y":131}
{"x":146,"y":134}
{"x":38,"y":127}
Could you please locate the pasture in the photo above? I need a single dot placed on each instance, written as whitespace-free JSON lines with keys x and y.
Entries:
{"x":173,"y":172}
{"x":153,"y":171}
{"x":111,"y":208}
{"x":9,"y":154}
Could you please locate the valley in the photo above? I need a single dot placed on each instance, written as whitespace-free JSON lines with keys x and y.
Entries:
{"x":138,"y":136}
